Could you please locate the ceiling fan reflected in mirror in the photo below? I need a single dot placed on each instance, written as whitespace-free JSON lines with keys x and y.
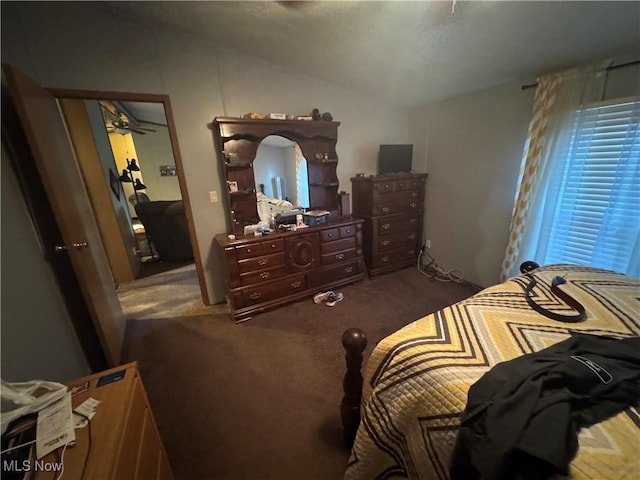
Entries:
{"x":122,"y":126}
{"x":118,"y":122}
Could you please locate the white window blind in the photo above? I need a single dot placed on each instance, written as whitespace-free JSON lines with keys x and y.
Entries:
{"x":597,"y":214}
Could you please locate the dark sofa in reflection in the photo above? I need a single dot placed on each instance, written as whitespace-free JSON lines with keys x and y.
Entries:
{"x":166,"y":225}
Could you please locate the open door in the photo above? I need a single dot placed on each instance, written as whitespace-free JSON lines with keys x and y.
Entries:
{"x":47,"y":136}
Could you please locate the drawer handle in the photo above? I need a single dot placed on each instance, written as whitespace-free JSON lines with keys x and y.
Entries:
{"x":273,"y":245}
{"x":413,"y":220}
{"x":248,"y":250}
{"x":387,"y":186}
{"x":329,"y":235}
{"x":385,"y":209}
{"x":414,"y":195}
{"x":412,"y":236}
{"x":386,"y":226}
{"x":339,"y":256}
{"x":348,"y":270}
{"x":385,"y":259}
{"x":263,"y":261}
{"x":255,"y":295}
{"x":347,"y":231}
{"x":296,"y":284}
{"x":384,"y":243}
{"x":265,"y":274}
{"x":413,"y":204}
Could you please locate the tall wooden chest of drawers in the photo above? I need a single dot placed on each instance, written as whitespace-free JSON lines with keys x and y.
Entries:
{"x":262,"y":273}
{"x":392,"y":207}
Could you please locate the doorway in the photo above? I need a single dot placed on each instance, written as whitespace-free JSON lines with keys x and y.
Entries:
{"x":126,"y":147}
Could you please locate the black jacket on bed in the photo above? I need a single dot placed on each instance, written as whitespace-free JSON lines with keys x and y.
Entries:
{"x":523,"y":416}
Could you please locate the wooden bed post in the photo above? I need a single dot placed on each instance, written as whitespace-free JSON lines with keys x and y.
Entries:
{"x":354,"y":342}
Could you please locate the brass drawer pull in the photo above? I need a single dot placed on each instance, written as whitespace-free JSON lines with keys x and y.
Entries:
{"x":339,"y":256}
{"x":386,"y":226}
{"x":414,"y":195}
{"x":296,"y":284}
{"x":413,"y":204}
{"x":413,"y":220}
{"x":255,"y":295}
{"x":347,"y":231}
{"x":348,"y":270}
{"x":385,"y":259}
{"x":384,"y":243}
{"x":273,"y":245}
{"x":412,"y":236}
{"x":385,"y":209}
{"x":265,"y":275}
{"x":263,"y":261}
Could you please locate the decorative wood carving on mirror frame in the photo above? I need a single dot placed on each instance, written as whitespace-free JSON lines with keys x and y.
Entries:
{"x":237,"y":142}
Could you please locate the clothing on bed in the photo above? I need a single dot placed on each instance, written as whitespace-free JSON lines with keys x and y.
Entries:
{"x":417,"y":379}
{"x":523,"y":416}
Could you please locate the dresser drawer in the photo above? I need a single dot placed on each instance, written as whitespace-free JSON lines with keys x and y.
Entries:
{"x":397,"y":202}
{"x":393,"y":256}
{"x":396,"y":240}
{"x":331,"y":274}
{"x":385,"y":186}
{"x":344,"y":244}
{"x":269,"y":291}
{"x":348,"y":231}
{"x":330,"y":235}
{"x":398,"y":223}
{"x":336,"y":257}
{"x":259,"y":248}
{"x":261,"y":262}
{"x":262,"y":275}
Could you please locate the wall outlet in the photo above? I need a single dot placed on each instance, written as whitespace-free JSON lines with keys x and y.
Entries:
{"x":427,"y":244}
{"x":213,"y":196}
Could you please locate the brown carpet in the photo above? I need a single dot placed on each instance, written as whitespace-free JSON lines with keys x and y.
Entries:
{"x":260,"y":399}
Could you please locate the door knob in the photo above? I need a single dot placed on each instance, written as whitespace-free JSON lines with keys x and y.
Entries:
{"x":80,"y":245}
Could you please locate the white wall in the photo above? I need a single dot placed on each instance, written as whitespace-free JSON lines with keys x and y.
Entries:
{"x":78,"y":45}
{"x":471,"y":148}
{"x":154,"y":150}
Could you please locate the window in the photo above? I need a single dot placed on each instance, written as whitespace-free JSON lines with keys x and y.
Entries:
{"x":595,"y":181}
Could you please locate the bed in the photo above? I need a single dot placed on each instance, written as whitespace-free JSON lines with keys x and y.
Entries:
{"x":416,"y":381}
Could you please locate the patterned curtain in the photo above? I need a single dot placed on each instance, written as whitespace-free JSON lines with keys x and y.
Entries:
{"x":558,"y":98}
{"x":542,"y":108}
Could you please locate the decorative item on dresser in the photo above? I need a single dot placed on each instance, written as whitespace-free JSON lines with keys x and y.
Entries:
{"x":392,"y":207}
{"x":265,"y":272}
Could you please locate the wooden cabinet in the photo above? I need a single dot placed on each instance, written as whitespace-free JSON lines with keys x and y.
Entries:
{"x":392,"y":207}
{"x":123,"y":441}
{"x":262,"y":273}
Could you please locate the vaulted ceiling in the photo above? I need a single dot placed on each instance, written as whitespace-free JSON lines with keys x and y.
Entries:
{"x":409,"y":53}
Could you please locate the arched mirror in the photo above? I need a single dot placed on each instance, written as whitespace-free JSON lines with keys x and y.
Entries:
{"x":281,"y":177}
{"x":284,"y":160}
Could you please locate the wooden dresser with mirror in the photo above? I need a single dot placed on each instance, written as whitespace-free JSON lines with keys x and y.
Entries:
{"x":265,"y":272}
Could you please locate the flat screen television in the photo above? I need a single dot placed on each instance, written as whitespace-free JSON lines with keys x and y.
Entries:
{"x":395,"y":159}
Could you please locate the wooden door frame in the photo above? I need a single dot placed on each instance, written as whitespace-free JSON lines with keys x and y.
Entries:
{"x":152,"y":98}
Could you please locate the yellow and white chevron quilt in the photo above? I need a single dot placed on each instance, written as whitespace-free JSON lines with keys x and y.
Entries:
{"x":416,"y":381}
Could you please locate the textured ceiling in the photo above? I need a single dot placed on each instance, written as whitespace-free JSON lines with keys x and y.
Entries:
{"x":409,"y":53}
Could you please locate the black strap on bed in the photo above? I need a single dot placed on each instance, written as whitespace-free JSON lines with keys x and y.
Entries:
{"x":565,"y":297}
